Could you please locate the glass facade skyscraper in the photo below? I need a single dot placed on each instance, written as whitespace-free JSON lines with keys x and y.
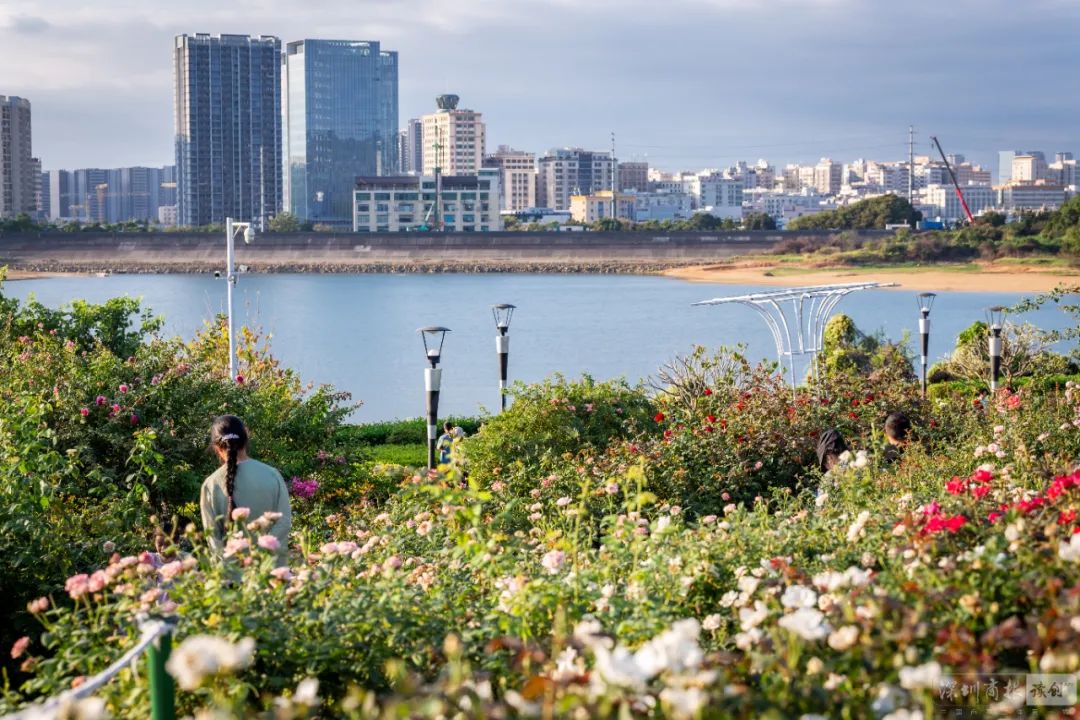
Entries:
{"x":341,"y":122}
{"x":228,"y":128}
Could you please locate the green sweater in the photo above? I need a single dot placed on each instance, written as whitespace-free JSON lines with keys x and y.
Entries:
{"x":259,"y":488}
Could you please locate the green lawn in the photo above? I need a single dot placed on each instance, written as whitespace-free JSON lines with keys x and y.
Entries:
{"x":412,"y":454}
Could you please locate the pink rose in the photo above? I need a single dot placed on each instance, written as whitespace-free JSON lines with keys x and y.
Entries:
{"x":269,"y":542}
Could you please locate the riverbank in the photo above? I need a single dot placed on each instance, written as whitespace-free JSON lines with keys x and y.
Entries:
{"x":940,"y":277}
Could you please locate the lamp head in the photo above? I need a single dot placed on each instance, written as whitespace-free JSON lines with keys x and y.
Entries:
{"x":502,"y":314}
{"x":995,"y":318}
{"x":926,"y":301}
{"x":433,"y":338}
{"x":249,"y":235}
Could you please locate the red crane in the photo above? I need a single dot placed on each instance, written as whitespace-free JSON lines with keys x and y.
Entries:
{"x":952,"y":176}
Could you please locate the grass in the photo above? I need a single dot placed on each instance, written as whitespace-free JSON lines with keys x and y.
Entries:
{"x":410,"y":454}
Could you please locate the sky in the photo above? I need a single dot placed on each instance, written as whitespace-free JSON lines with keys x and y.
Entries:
{"x":682,"y":83}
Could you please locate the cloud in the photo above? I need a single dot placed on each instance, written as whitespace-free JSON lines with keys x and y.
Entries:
{"x":28,"y":24}
{"x":688,"y":82}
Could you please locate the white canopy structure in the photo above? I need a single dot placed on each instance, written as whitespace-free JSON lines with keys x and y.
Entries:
{"x":796,"y":317}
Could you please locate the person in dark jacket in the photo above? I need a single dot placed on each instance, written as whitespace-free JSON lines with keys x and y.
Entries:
{"x":830,"y":447}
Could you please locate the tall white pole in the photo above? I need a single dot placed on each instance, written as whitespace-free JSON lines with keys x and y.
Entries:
{"x":230,"y":280}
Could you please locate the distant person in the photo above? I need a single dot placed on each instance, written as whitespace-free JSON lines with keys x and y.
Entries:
{"x":897,"y":436}
{"x":242,"y":482}
{"x":830,"y":447}
{"x":445,"y":443}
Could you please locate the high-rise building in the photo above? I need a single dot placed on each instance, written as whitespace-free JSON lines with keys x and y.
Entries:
{"x":564,"y":172}
{"x":228,"y":127}
{"x":113,"y":195}
{"x":1029,"y":167}
{"x":633,"y":176}
{"x":412,"y":148}
{"x":341,"y":122}
{"x":454,"y":140}
{"x":1005,"y":160}
{"x":517,"y":188}
{"x":828,"y":176}
{"x":18,"y":176}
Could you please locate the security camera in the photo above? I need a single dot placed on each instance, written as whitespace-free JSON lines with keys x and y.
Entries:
{"x":217,"y":274}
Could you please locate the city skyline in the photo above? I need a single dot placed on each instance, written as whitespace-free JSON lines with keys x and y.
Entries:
{"x":698,"y":83}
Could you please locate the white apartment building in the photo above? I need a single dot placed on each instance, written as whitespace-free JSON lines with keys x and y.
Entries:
{"x":565,"y":172}
{"x":1031,"y":196}
{"x":782,"y":205}
{"x":454,"y":141}
{"x":517,"y":186}
{"x":661,"y":206}
{"x":717,"y":195}
{"x":463,"y":203}
{"x":943,"y":203}
{"x":1029,"y":168}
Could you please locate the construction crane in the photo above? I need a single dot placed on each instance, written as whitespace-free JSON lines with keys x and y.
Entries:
{"x":956,"y":185}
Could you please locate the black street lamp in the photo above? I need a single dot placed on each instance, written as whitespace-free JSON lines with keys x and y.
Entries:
{"x":995,"y":320}
{"x":433,"y":338}
{"x":926,"y":301}
{"x":502,"y":314}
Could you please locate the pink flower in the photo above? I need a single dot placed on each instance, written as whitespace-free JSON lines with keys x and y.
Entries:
{"x":282,"y":573}
{"x":235,"y":545}
{"x":84,"y":412}
{"x":134,"y":419}
{"x":1013,"y":402}
{"x":100,"y":400}
{"x":498,"y":486}
{"x":239,"y":379}
{"x":303,"y":488}
{"x":240,"y":513}
{"x":170,"y":570}
{"x":553,"y":560}
{"x":123,"y":387}
{"x":563,"y":501}
{"x":38,"y":606}
{"x":77,"y":585}
{"x":156,"y":379}
{"x":269,"y":542}
{"x":19,"y":647}
{"x":150,"y":596}
{"x":392,"y":563}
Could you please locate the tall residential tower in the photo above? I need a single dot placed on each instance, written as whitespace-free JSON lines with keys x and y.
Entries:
{"x":228,"y":127}
{"x":453,"y":139}
{"x":341,"y":122}
{"x":19,"y":173}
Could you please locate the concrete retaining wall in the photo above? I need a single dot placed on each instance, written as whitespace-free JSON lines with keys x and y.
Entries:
{"x":330,"y":252}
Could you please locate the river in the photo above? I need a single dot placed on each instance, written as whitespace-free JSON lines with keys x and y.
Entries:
{"x":358,"y":332}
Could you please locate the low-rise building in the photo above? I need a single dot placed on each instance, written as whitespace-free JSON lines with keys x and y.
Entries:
{"x":460,"y":203}
{"x":1031,"y":196}
{"x":661,"y":206}
{"x":943,"y":204}
{"x":598,"y":206}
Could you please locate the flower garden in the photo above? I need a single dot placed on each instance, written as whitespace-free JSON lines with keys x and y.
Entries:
{"x":601,"y":549}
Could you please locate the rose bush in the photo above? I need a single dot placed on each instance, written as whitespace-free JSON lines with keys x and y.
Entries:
{"x":615,"y":564}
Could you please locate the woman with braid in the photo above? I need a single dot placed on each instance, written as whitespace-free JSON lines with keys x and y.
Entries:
{"x":242,"y":482}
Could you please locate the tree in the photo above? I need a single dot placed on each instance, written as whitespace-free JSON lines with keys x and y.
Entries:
{"x":1065,"y":219}
{"x":870,"y":214}
{"x":758,"y":221}
{"x":284,"y":222}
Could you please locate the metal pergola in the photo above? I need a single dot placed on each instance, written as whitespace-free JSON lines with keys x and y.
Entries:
{"x":796,"y":317}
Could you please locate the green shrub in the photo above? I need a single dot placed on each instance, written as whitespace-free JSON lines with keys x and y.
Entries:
{"x":549,"y":422}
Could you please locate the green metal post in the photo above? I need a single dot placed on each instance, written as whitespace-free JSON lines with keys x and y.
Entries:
{"x":162,"y":691}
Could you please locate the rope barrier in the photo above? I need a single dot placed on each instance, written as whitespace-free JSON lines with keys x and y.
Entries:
{"x":149,"y":632}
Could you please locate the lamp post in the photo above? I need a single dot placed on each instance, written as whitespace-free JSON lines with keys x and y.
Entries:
{"x":232,"y":229}
{"x":995,"y":319}
{"x":926,"y":301}
{"x":502,"y":314}
{"x":433,"y":338}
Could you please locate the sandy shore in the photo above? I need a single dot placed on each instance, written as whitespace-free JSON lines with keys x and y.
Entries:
{"x":960,"y":278}
{"x":36,"y":275}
